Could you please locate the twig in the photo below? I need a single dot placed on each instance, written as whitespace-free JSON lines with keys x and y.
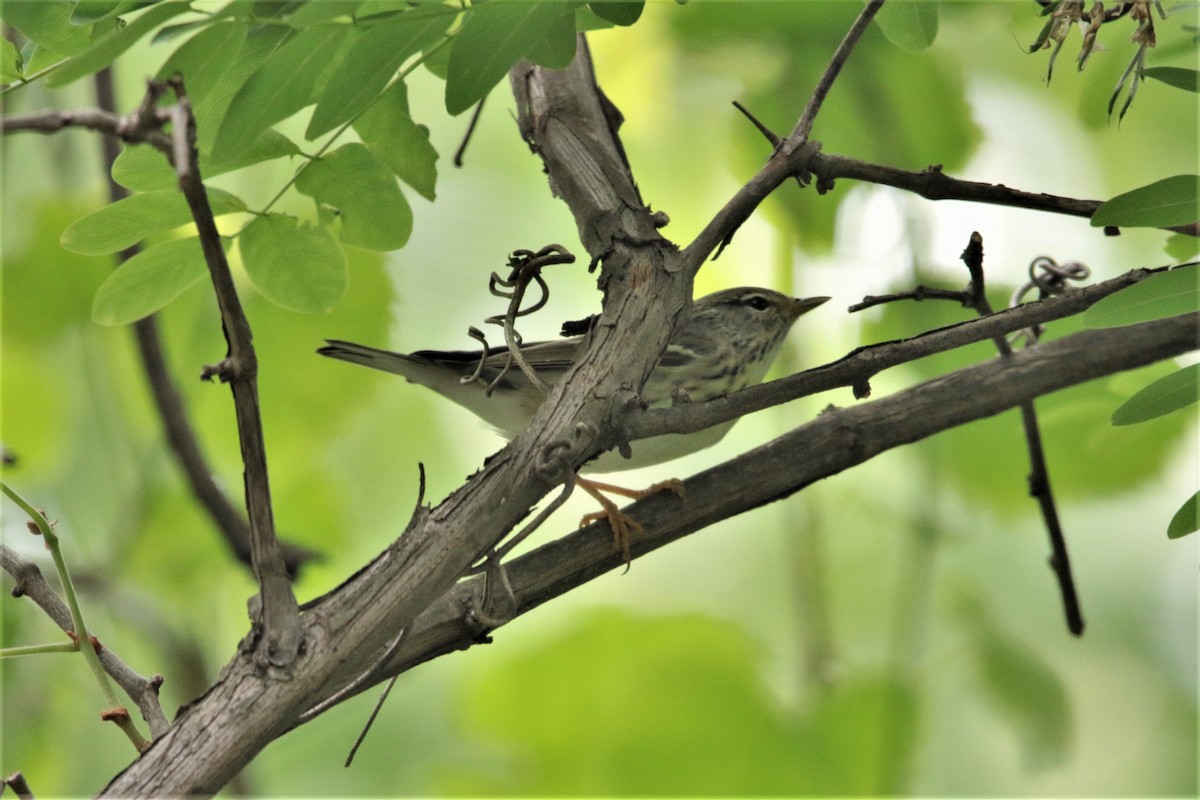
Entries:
{"x":230,"y":523}
{"x":17,"y":781}
{"x":128,"y":128}
{"x":280,"y":615}
{"x":361,"y":682}
{"x":918,"y":293}
{"x":931,"y":183}
{"x":975,"y":297}
{"x":32,"y":584}
{"x":858,"y":367}
{"x":1039,"y":475}
{"x":462,"y":146}
{"x":525,"y":266}
{"x":800,"y":133}
{"x":87,"y":644}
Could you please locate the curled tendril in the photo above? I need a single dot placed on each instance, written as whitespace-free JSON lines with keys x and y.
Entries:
{"x":1049,"y":278}
{"x":525,"y":267}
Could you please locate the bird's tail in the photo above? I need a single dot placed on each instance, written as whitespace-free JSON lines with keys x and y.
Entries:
{"x":386,"y":360}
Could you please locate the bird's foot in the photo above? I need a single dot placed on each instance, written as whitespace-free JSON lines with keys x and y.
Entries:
{"x":621,"y":523}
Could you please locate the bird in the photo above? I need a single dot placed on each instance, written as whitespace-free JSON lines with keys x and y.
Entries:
{"x":724,"y":342}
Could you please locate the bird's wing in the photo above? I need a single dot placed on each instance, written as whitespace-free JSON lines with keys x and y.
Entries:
{"x":550,"y":360}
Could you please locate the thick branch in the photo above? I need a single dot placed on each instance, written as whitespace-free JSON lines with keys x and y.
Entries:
{"x":836,"y":440}
{"x":563,"y":114}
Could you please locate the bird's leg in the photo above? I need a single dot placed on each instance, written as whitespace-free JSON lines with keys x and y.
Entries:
{"x":621,"y":523}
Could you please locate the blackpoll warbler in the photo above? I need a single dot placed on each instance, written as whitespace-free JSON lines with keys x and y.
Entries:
{"x":726,"y":341}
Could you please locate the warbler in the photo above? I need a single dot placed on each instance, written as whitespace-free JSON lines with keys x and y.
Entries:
{"x":725,"y":341}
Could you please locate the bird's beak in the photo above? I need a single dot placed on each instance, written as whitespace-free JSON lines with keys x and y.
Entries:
{"x":802,"y":305}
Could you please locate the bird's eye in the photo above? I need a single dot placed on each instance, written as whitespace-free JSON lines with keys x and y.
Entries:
{"x":758,"y":303}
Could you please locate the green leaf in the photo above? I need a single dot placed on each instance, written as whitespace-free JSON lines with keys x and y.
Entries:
{"x":88,"y":11}
{"x":1179,"y":77}
{"x":321,"y":11}
{"x":141,"y":168}
{"x":1185,"y":519}
{"x":149,"y":280}
{"x":555,"y":48}
{"x":1171,"y":201}
{"x":286,"y":82}
{"x":1162,"y":295}
{"x":373,"y":210}
{"x":620,"y":12}
{"x":11,"y":62}
{"x":48,"y":23}
{"x":269,"y":145}
{"x":909,"y":24}
{"x":1182,"y":247}
{"x":126,"y":222}
{"x":371,"y":60}
{"x":300,"y":268}
{"x":391,"y":134}
{"x":436,"y":61}
{"x":495,"y":36}
{"x":210,"y":108}
{"x":1169,"y":393}
{"x":105,"y":49}
{"x":203,"y":59}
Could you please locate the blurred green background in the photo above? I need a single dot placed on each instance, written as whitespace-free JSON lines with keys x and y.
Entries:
{"x":893,"y":630}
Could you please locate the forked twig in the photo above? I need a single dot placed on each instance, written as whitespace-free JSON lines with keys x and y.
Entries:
{"x":1049,"y":278}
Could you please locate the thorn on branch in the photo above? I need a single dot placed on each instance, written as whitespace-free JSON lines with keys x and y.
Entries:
{"x":117,"y":714}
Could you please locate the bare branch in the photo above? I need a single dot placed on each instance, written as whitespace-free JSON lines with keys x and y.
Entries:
{"x":858,"y":367}
{"x":130,"y":128}
{"x":172,"y":412}
{"x":32,"y":584}
{"x":800,"y":133}
{"x":278,"y":606}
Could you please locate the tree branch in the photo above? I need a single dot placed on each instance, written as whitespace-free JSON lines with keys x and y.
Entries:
{"x":239,"y":369}
{"x":835,"y":441}
{"x":803,"y":128}
{"x":143,"y":125}
{"x":563,"y":114}
{"x":805,"y":160}
{"x":32,"y":584}
{"x":230,"y":523}
{"x":858,"y":367}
